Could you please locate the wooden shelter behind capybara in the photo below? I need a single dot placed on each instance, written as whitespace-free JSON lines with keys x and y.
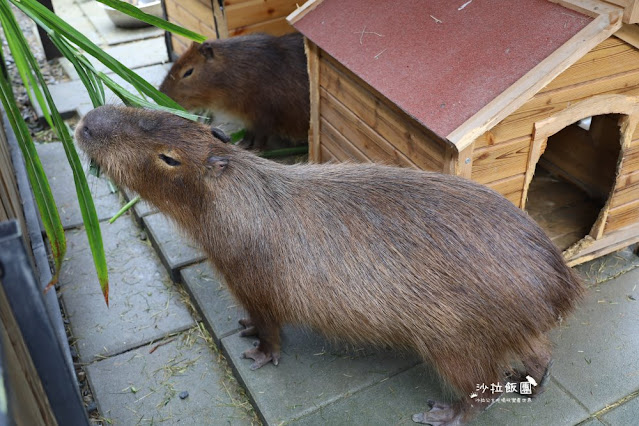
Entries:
{"x":537,"y":101}
{"x":226,"y":18}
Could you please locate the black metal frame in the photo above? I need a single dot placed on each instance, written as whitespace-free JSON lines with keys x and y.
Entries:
{"x":27,"y":304}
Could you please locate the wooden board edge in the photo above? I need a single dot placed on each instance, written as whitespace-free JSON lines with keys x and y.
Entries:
{"x":591,"y":8}
{"x":631,"y":16}
{"x":312,"y":63}
{"x":458,"y":163}
{"x":543,"y":73}
{"x":301,"y":11}
{"x":595,"y":105}
{"x":614,"y":241}
{"x":629,"y":33}
{"x":219,"y":19}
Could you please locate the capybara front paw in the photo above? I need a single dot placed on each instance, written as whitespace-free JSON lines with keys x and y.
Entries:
{"x":261,"y":358}
{"x":439,"y":415}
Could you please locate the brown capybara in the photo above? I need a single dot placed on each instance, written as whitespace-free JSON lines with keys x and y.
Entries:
{"x":363,"y":252}
{"x":258,"y":79}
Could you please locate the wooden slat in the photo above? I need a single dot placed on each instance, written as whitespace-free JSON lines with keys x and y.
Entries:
{"x":326,"y":155}
{"x":510,"y":188}
{"x":312,"y":55}
{"x":338,"y":145}
{"x":179,"y":44}
{"x":631,"y":15}
{"x":627,"y":189}
{"x":192,"y":15}
{"x":276,"y":27}
{"x":520,"y":123}
{"x":630,"y":34}
{"x":546,"y":71}
{"x":301,"y":11}
{"x":592,"y":8}
{"x":391,"y":124}
{"x":615,"y":58}
{"x":609,"y":243}
{"x":630,"y":162}
{"x":231,"y":3}
{"x":257,"y":11}
{"x":500,"y":162}
{"x":10,"y":198}
{"x":359,"y":134}
{"x":635,"y":136}
{"x":622,"y":216}
{"x":622,"y":3}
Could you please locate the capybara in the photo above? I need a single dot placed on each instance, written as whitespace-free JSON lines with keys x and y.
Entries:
{"x":258,"y":79}
{"x":367,"y":253}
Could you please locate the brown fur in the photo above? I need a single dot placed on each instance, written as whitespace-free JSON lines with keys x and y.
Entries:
{"x":259,"y":79}
{"x":418,"y":260}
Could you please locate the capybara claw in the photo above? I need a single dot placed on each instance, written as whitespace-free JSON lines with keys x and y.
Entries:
{"x":260,"y":358}
{"x":249,"y":332}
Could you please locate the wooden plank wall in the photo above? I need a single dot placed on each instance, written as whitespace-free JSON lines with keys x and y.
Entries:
{"x":501,"y":154}
{"x":237,"y":17}
{"x":624,"y":205}
{"x":195,"y":15}
{"x":357,"y":124}
{"x":10,"y":199}
{"x":265,"y":16}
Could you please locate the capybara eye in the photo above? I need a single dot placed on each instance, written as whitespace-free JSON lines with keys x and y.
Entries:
{"x":169,"y":160}
{"x":187,"y":73}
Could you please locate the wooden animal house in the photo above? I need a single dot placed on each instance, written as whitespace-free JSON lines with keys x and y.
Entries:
{"x":226,"y":18}
{"x":538,"y":101}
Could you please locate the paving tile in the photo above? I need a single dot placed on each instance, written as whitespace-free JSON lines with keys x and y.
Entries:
{"x":109,"y":32}
{"x":137,"y":54}
{"x":609,"y":266}
{"x":212,"y":299}
{"x":596,"y":348}
{"x":139,"y":387}
{"x":625,"y":414}
{"x":73,"y":15}
{"x":144,"y":304}
{"x":405,"y":394}
{"x":71,"y":97}
{"x":391,"y":402}
{"x":312,"y":373}
{"x":175,"y":250}
{"x":553,"y":407}
{"x":60,"y":176}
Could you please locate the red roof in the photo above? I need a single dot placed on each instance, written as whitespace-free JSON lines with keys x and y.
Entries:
{"x":440,"y":61}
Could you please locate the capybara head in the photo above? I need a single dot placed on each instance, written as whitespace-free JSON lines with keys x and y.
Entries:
{"x":157,"y":154}
{"x":203,"y":76}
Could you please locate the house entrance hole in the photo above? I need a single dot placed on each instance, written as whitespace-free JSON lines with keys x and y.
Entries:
{"x":575,"y":177}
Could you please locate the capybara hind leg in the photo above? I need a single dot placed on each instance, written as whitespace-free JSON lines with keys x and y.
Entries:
{"x":268,"y":349}
{"x":464,"y":374}
{"x":537,"y":366}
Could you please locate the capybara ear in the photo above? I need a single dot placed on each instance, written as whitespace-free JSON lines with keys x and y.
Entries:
{"x":219,"y":134}
{"x":206,"y":49}
{"x":217,"y":164}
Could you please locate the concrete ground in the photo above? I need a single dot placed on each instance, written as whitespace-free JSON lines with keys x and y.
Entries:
{"x":168,"y":350}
